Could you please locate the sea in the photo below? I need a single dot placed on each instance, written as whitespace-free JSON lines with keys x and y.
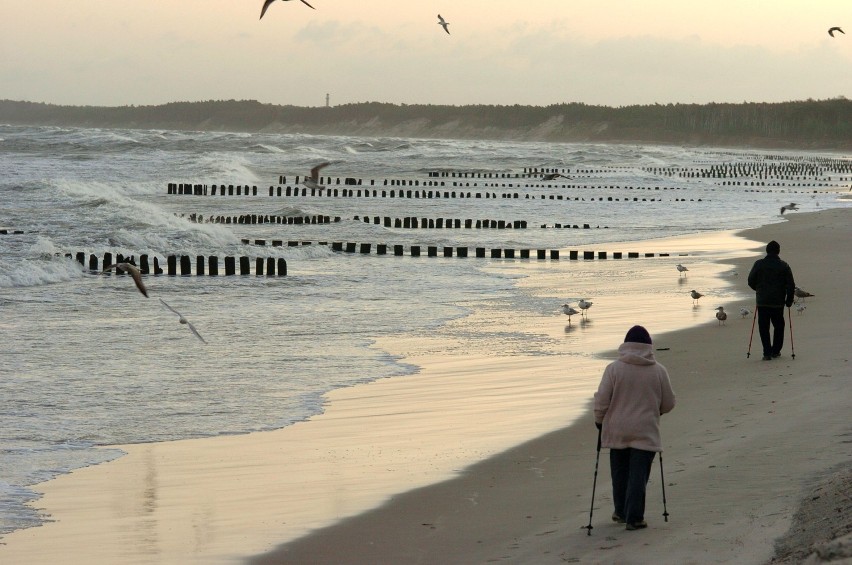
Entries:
{"x":88,"y":362}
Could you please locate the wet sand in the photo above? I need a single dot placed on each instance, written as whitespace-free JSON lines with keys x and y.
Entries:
{"x":742,"y":441}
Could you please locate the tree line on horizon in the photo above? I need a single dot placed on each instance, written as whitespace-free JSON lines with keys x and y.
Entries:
{"x":825,"y":122}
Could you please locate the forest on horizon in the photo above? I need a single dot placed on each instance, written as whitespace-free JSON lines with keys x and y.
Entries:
{"x":817,"y":124}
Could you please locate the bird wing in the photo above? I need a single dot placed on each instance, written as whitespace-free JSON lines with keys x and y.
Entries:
{"x":137,"y":278}
{"x":315,"y":171}
{"x":309,"y":6}
{"x":170,"y":308}
{"x":833,"y":29}
{"x":441,"y":20}
{"x":266,"y":5}
{"x":134,"y":272}
{"x":193,"y":330}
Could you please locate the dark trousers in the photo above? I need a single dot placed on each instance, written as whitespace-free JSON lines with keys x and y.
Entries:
{"x":775,"y":316}
{"x":630,"y":469}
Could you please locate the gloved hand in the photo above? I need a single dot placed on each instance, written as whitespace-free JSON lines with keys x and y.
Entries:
{"x":599,"y":425}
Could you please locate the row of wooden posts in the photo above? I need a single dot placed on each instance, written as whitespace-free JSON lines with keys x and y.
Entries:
{"x":239,"y":190}
{"x":450,"y":251}
{"x":182,"y":265}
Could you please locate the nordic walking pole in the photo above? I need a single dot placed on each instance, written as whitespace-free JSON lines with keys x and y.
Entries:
{"x":792,"y":347}
{"x":663,"y":481}
{"x":751,"y":335}
{"x":594,"y":484}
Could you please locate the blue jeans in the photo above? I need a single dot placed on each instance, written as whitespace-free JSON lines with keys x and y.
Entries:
{"x":775,"y":316}
{"x":630,"y":469}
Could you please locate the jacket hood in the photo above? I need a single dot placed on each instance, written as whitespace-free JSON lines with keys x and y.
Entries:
{"x":636,"y":353}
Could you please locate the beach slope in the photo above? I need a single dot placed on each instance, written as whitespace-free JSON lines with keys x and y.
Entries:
{"x":748,"y":442}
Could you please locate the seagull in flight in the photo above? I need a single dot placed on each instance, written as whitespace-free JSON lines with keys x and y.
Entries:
{"x":184,"y":321}
{"x":790,"y":206}
{"x":831,"y":31}
{"x":266,"y":4}
{"x":133,"y":272}
{"x":554,"y":176}
{"x":313,"y":180}
{"x":441,"y":22}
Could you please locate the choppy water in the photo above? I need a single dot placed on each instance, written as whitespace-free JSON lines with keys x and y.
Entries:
{"x":87,"y":361}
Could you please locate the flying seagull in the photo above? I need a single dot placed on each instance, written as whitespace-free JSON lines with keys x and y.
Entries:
{"x":790,"y":206}
{"x":266,"y":4}
{"x":441,"y":22}
{"x":184,"y":321}
{"x":554,"y":176}
{"x":133,"y":271}
{"x":831,"y":31}
{"x":313,"y":180}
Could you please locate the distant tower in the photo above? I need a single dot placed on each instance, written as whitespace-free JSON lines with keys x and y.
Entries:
{"x":326,"y":100}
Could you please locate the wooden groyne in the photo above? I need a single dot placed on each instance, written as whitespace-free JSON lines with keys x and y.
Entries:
{"x":416,"y":193}
{"x":185,"y":265}
{"x":461,"y":251}
{"x":251,"y":219}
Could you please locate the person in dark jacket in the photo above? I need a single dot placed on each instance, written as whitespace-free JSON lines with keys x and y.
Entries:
{"x":772,"y":280}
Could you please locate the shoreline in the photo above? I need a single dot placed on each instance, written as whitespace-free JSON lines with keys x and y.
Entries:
{"x":536,"y":495}
{"x":148,"y":515}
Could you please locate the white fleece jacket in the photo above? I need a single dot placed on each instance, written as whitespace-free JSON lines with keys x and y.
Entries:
{"x":634,"y":391}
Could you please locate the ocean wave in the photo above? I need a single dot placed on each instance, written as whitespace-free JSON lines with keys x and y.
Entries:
{"x":36,"y":272}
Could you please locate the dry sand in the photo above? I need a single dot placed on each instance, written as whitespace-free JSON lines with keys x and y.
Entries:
{"x":744,"y":445}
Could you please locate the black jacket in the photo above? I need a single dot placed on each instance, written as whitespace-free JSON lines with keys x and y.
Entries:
{"x":772,"y":279}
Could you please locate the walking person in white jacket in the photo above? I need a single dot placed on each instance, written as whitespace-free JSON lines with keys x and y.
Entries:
{"x":634,"y":392}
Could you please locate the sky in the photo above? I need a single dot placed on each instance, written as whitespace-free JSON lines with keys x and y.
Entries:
{"x":528,"y":52}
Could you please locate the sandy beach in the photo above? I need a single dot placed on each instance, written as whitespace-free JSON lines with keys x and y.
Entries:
{"x":747,"y":443}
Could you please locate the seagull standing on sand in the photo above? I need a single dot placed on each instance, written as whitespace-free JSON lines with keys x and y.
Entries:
{"x":134,"y":272}
{"x":569,"y":311}
{"x":313,"y":180}
{"x":831,"y":31}
{"x":681,"y":269}
{"x":584,"y":305}
{"x":443,"y":23}
{"x":744,"y":312}
{"x":184,"y":321}
{"x":800,"y":308}
{"x":800,"y":293}
{"x":266,"y":4}
{"x":721,"y":315}
{"x":695,"y":296}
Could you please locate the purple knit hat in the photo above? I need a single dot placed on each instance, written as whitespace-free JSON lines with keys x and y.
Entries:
{"x":638,"y":334}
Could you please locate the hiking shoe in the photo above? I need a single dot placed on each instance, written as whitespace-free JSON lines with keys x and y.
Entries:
{"x":767,"y":358}
{"x":616,"y":518}
{"x":637,"y":525}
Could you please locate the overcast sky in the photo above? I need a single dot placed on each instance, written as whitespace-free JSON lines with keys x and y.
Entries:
{"x":530,"y":52}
